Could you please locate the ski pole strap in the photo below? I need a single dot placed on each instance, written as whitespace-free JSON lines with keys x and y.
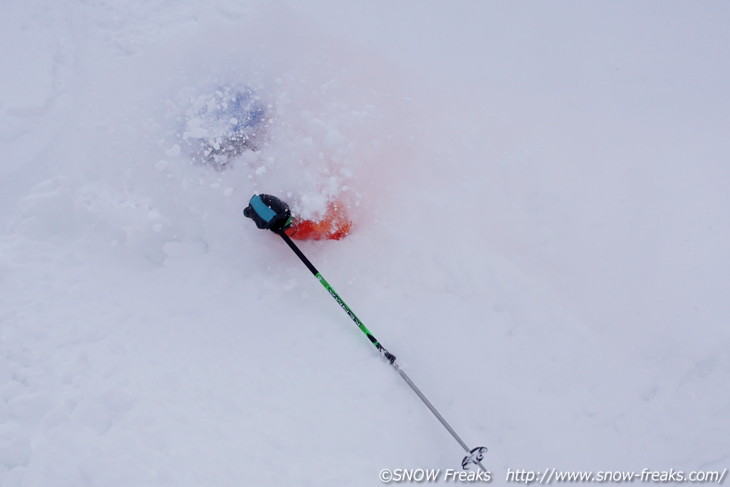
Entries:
{"x":261,"y":208}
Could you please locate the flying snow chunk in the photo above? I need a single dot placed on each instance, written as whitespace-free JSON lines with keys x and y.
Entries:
{"x":223,"y":124}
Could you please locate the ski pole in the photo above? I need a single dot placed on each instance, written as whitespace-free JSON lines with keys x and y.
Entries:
{"x":389,"y":356}
{"x":271,"y":213}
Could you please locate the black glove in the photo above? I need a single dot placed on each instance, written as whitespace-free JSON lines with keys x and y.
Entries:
{"x":268,"y":212}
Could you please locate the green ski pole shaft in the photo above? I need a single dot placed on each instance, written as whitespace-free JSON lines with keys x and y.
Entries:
{"x":389,"y":356}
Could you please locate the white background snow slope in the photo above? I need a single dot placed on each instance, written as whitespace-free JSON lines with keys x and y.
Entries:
{"x":542,"y":214}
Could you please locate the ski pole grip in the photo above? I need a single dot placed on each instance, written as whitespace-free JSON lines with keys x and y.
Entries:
{"x":268,"y":212}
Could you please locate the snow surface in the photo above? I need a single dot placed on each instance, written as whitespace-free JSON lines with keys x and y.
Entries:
{"x":542,"y":223}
